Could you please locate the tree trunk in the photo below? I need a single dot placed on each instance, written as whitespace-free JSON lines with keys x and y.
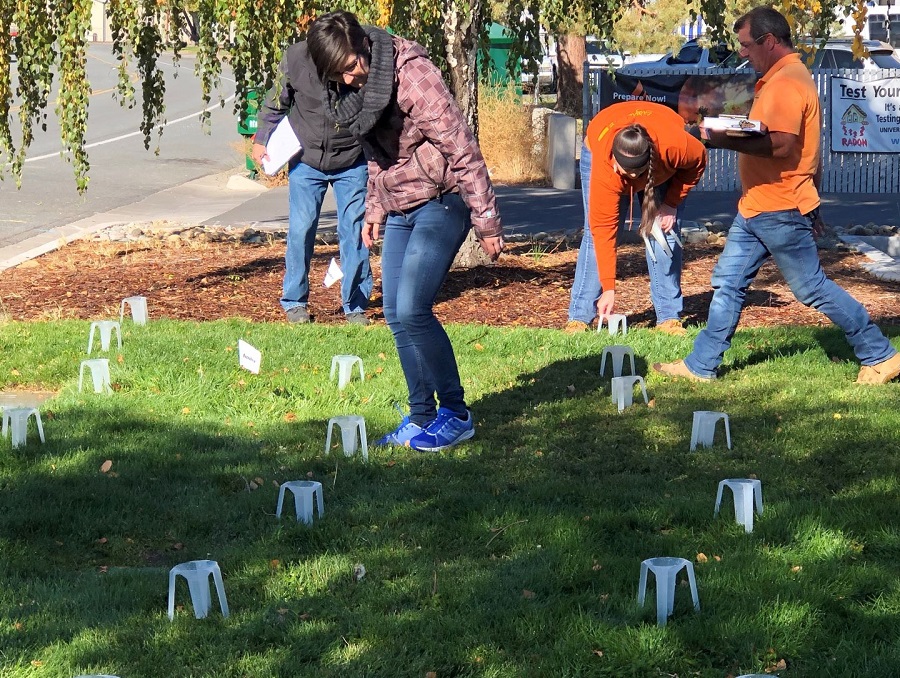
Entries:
{"x":463,"y":23}
{"x":470,"y":254}
{"x":570,"y":52}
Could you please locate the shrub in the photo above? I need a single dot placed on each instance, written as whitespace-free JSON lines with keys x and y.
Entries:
{"x":507,"y":139}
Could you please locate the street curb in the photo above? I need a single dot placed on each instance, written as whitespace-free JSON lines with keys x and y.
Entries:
{"x":193,"y":202}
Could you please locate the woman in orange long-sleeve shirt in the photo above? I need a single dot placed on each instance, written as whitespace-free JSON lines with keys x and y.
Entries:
{"x":628,"y":147}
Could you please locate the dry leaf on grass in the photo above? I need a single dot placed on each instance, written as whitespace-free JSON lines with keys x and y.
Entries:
{"x":106,"y":466}
{"x":701,"y":558}
{"x":290,"y":416}
{"x":528,"y":595}
{"x":780,"y":665}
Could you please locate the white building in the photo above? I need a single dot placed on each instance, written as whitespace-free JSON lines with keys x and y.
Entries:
{"x":100,"y":31}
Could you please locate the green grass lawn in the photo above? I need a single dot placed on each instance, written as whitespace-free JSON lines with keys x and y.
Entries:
{"x":516,"y":554}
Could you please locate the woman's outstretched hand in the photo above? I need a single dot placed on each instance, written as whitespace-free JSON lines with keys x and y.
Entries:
{"x":370,"y":233}
{"x":492,"y":246}
{"x":606,"y":305}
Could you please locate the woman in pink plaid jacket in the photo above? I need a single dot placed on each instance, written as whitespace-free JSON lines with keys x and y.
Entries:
{"x":428,"y":185}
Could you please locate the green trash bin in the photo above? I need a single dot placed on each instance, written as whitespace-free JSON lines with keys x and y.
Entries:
{"x":246,"y":126}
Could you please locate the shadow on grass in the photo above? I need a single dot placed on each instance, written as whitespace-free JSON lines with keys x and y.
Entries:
{"x":517,"y":554}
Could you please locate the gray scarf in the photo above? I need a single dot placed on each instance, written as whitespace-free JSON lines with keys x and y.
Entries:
{"x":359,"y":110}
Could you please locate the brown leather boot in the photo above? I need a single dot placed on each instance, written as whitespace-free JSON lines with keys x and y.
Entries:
{"x":882,"y":373}
{"x":678,"y":369}
{"x":673,"y":327}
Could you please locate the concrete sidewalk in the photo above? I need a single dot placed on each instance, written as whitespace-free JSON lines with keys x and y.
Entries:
{"x":229,"y":199}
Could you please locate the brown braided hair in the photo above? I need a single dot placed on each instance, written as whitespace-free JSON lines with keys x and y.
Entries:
{"x":634,"y":141}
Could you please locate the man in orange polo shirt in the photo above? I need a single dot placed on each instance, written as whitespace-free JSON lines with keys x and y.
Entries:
{"x":778,"y":211}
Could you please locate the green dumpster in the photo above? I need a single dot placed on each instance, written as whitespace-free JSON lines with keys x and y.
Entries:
{"x":500,"y":43}
{"x":246,"y":126}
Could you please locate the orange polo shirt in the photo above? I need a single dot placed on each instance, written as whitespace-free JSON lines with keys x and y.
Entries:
{"x":679,"y":157}
{"x":786,"y":100}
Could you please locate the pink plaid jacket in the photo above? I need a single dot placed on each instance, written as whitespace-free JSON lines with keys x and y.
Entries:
{"x":422,"y":147}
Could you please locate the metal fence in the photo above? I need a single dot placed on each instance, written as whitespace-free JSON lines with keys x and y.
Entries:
{"x":842,"y":172}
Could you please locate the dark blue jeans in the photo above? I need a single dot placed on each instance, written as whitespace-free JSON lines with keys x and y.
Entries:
{"x":787,"y":237}
{"x":307,"y":186}
{"x":419,"y":247}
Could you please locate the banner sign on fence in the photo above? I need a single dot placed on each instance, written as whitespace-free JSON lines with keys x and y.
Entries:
{"x":690,"y":95}
{"x":865,"y":116}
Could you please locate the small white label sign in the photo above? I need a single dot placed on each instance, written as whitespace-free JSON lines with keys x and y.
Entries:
{"x":333,"y":274}
{"x":249,"y":357}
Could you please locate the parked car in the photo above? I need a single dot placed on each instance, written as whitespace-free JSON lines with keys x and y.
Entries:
{"x":599,"y":53}
{"x":14,"y":35}
{"x":692,"y":55}
{"x":838,"y":53}
{"x":547,"y":71}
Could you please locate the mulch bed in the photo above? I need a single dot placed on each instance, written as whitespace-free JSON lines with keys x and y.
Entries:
{"x":529,"y":286}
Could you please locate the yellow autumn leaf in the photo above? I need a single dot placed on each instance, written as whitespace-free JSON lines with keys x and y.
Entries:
{"x":185,"y":410}
{"x":478,"y":347}
{"x":701,"y":558}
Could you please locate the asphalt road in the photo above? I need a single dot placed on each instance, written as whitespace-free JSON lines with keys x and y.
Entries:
{"x":122,"y":171}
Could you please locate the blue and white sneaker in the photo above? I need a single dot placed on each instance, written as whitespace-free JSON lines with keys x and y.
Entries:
{"x":445,"y":431}
{"x":402,"y":434}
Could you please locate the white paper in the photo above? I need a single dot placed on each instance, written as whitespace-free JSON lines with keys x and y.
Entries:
{"x":249,"y":357}
{"x":281,"y":147}
{"x":733,"y":123}
{"x":333,"y":274}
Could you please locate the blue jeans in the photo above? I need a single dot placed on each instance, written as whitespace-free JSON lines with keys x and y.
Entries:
{"x":665,"y":272}
{"x":419,"y":247}
{"x":307,"y":186}
{"x":787,"y":237}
